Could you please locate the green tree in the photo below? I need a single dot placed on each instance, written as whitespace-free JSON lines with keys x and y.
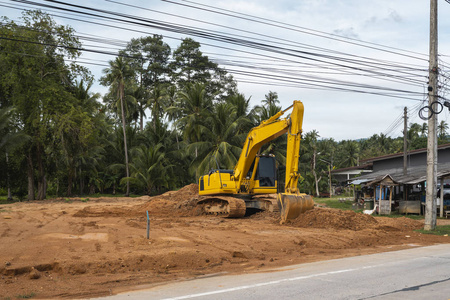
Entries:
{"x":271,"y":99}
{"x":349,"y":153}
{"x":190,"y":66}
{"x":424,"y":129}
{"x":310,"y":153}
{"x":10,"y":139}
{"x":416,"y":137}
{"x":150,"y":168}
{"x":37,"y":83}
{"x":158,"y":102}
{"x":442,"y":130}
{"x":150,"y":65}
{"x":192,"y":108}
{"x":221,"y":142}
{"x":116,"y":76}
{"x":78,"y":135}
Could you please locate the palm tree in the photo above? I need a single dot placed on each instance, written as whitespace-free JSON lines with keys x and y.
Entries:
{"x":350,"y":151}
{"x":190,"y":112}
{"x":310,"y":143}
{"x":424,"y":129}
{"x":116,"y":76}
{"x":221,"y":140}
{"x":384,"y":143}
{"x":157,"y":102}
{"x":414,"y":130}
{"x":442,"y":130}
{"x":150,"y":168}
{"x":263,"y":113}
{"x":271,"y":99}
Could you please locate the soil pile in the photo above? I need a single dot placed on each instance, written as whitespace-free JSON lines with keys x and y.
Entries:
{"x":329,"y":218}
{"x":180,"y":203}
{"x":333,"y":219}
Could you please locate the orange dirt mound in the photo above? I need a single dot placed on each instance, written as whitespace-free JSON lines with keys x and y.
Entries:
{"x":333,"y":219}
{"x":181,"y":202}
{"x":398,"y":224}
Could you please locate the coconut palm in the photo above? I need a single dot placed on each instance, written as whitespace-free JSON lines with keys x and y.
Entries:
{"x":310,"y":150}
{"x":191,"y":110}
{"x":442,"y":130}
{"x":424,"y":129}
{"x":221,"y":142}
{"x":116,"y":76}
{"x":263,"y":113}
{"x":271,"y":99}
{"x":150,"y":168}
{"x":157,"y":102}
{"x":350,"y":152}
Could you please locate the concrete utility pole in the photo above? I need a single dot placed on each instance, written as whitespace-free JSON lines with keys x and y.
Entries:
{"x":405,"y":141}
{"x":430,"y":207}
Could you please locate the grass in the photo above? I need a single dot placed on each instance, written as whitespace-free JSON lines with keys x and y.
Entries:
{"x":439,"y":230}
{"x":395,"y":214}
{"x":4,"y":200}
{"x":98,"y":195}
{"x":26,"y":296}
{"x":335,"y":203}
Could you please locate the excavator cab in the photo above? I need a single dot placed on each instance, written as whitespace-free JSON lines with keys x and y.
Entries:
{"x":263,"y":178}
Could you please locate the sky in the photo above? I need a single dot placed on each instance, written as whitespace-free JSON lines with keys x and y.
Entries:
{"x":354,"y":64}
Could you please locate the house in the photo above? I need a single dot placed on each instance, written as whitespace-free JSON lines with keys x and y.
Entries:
{"x":409,"y":187}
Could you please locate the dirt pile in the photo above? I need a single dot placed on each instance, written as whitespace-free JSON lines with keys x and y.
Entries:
{"x":173,"y":203}
{"x":329,"y":218}
{"x":180,"y":203}
{"x":333,"y":219}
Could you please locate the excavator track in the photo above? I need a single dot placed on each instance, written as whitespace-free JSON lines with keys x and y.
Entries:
{"x":224,"y":206}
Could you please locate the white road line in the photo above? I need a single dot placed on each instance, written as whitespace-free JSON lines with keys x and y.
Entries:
{"x":244,"y":287}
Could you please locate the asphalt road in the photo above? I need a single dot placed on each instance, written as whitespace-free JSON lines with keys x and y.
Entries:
{"x":417,"y":273}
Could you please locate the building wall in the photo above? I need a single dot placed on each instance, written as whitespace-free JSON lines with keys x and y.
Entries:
{"x":415,"y":159}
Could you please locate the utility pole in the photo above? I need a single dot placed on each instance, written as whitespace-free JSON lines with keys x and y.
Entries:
{"x":430,"y":205}
{"x":329,"y":178}
{"x":405,"y":141}
{"x":405,"y":150}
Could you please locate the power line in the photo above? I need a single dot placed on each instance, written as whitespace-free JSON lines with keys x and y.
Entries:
{"x":353,"y":67}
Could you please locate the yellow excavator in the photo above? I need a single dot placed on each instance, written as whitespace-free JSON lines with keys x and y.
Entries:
{"x":230,"y":193}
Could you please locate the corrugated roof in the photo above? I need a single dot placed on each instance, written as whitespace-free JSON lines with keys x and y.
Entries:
{"x":400,"y":154}
{"x":415,"y":175}
{"x":360,"y":167}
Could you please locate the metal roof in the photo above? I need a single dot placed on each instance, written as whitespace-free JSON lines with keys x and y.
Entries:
{"x":414,"y":175}
{"x":400,"y":154}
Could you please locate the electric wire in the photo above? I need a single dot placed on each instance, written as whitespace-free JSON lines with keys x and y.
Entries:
{"x":342,"y":65}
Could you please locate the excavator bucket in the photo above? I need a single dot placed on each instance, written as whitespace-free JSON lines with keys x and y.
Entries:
{"x":292,"y":205}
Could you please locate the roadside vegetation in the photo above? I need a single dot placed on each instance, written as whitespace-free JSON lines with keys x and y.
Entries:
{"x":439,"y":230}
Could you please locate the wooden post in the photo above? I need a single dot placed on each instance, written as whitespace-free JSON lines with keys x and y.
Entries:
{"x":441,"y":208}
{"x":390,"y":199}
{"x":381,"y":196}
